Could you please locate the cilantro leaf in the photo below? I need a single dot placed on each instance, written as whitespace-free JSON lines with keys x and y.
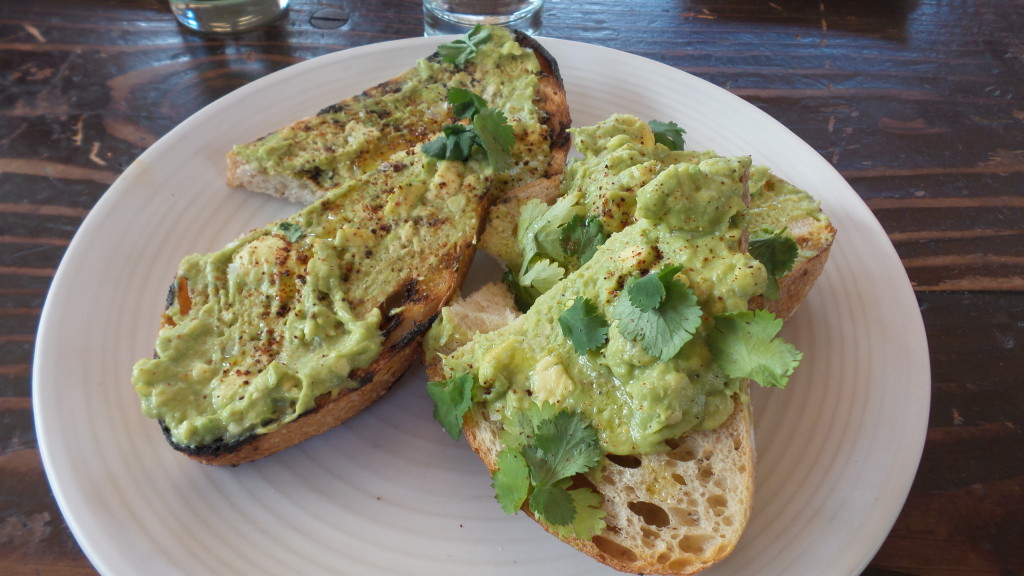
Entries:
{"x":542,"y":275}
{"x":778,"y":253}
{"x":548,"y":447}
{"x":554,"y":504}
{"x":511,"y":480}
{"x":589,"y":518}
{"x":291,"y":231}
{"x":583,"y":325}
{"x":539,"y":230}
{"x":648,"y":292}
{"x":662,"y":328}
{"x":490,"y":130}
{"x":463,"y":49}
{"x":562,"y":447}
{"x":524,"y":296}
{"x":744,"y":345}
{"x":581,"y":237}
{"x":452,"y":399}
{"x":465,"y":104}
{"x":668,"y":134}
{"x":495,"y":135}
{"x":456,"y":143}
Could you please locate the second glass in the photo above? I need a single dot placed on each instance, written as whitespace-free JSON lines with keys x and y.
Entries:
{"x":459,"y":16}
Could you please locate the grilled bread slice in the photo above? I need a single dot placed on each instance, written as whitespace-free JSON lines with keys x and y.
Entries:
{"x":295,"y":327}
{"x":672,"y":512}
{"x":509,"y":70}
{"x":681,"y":509}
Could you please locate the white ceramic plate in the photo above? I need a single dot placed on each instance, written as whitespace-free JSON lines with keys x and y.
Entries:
{"x":389,"y":492}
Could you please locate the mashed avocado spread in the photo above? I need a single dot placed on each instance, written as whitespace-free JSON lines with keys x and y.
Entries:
{"x":661,"y":209}
{"x":352,"y":137}
{"x":254,"y":333}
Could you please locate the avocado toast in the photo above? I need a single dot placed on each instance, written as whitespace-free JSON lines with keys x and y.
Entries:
{"x":297,"y":326}
{"x":655,"y":470}
{"x":511,"y":71}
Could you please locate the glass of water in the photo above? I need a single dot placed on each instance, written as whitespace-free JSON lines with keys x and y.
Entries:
{"x":459,"y":16}
{"x":227,"y":16}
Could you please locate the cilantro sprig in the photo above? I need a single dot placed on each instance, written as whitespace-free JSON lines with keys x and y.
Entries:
{"x":777,"y":252}
{"x":745,"y":345}
{"x":659,"y":312}
{"x":554,"y":241}
{"x":465,"y":103}
{"x":463,"y":49}
{"x":452,"y":398}
{"x":538,"y":463}
{"x":583,"y":325}
{"x":488,"y":128}
{"x":668,"y":134}
{"x":581,"y":237}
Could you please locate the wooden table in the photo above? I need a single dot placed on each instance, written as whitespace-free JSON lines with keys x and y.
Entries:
{"x":920,"y":105}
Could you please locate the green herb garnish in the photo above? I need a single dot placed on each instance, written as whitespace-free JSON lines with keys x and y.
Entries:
{"x":581,"y":236}
{"x":561,"y":445}
{"x":489,"y":129}
{"x":291,"y":231}
{"x":456,"y":143}
{"x":778,"y":253}
{"x":495,"y":135}
{"x":744,"y":345}
{"x":524,"y":296}
{"x":659,"y":312}
{"x":465,"y":103}
{"x":463,"y":49}
{"x":452,"y":398}
{"x":583,"y":325}
{"x":668,"y":134}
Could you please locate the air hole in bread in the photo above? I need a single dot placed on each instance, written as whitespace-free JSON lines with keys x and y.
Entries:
{"x":652,"y":514}
{"x":718,"y":504}
{"x":680,"y":566}
{"x":614,"y":550}
{"x":683,"y":455}
{"x":678,"y":478}
{"x":706,"y":472}
{"x":694,"y":543}
{"x":664,"y":558}
{"x":625,"y":461}
{"x":650,"y":535}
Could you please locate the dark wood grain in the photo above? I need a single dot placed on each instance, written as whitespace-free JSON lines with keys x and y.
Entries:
{"x":918,"y":104}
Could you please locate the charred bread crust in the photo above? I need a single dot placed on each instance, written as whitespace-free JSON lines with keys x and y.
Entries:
{"x":553,"y":102}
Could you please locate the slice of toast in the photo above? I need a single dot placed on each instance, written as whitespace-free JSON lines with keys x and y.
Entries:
{"x":295,"y":327}
{"x":511,"y":71}
{"x":672,"y":512}
{"x":682,"y":509}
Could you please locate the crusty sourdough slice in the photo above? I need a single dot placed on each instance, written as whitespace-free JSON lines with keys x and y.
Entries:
{"x":675,"y":512}
{"x":315,"y":316}
{"x":511,"y":71}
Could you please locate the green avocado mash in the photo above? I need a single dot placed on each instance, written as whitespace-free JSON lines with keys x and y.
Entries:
{"x":354,"y":136}
{"x":686,"y":215}
{"x":254,"y":333}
